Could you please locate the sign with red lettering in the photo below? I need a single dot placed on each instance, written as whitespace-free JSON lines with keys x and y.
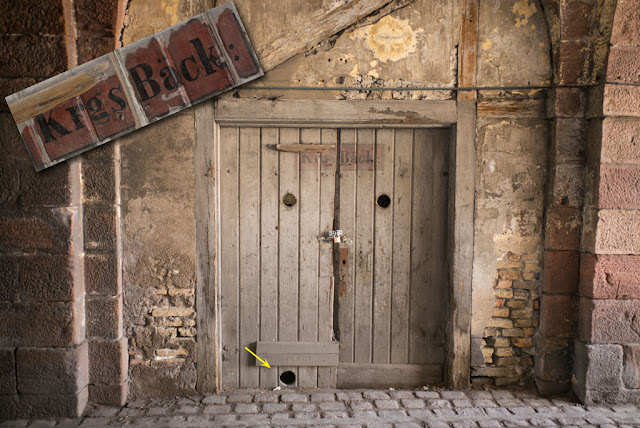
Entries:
{"x":141,"y":83}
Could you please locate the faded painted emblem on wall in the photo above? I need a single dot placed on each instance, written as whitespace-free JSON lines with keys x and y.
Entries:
{"x":352,"y":156}
{"x":134,"y":86}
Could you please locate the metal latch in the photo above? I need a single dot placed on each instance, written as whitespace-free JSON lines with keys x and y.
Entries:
{"x":333,"y":235}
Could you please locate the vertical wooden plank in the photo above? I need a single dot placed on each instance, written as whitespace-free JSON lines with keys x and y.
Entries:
{"x":420,"y":249}
{"x":468,"y":49}
{"x":433,"y":248}
{"x":327,"y":376}
{"x":309,"y":201}
{"x":383,"y":247}
{"x":288,"y":242}
{"x":206,"y":214}
{"x":402,"y":204}
{"x":346,"y":222}
{"x":249,"y":252}
{"x":363,"y":241}
{"x":229,"y":254}
{"x":269,"y":202}
{"x":461,"y":209}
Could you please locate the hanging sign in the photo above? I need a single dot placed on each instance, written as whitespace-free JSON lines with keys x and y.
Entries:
{"x":139,"y":84}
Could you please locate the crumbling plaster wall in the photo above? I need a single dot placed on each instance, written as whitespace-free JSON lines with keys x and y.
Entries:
{"x":413,"y":46}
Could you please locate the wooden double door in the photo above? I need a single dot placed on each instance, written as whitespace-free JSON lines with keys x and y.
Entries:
{"x":368,"y":311}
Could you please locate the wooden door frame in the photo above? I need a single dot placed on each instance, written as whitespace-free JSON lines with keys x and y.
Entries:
{"x":459,"y":115}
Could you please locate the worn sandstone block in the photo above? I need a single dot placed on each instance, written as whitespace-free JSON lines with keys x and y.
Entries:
{"x":102,"y":274}
{"x":609,"y":321}
{"x":100,"y":225}
{"x":36,"y":229}
{"x":631,"y":366}
{"x":560,"y":272}
{"x":568,"y":185}
{"x":558,"y":315}
{"x":624,"y":64}
{"x":96,"y":17}
{"x":24,"y":55}
{"x":610,"y":276}
{"x":109,"y":395}
{"x":564,"y":226}
{"x":570,"y":140}
{"x":554,"y":359}
{"x":598,"y":366}
{"x":621,"y":100}
{"x":576,"y":19}
{"x":626,"y":26}
{"x":52,"y":370}
{"x":50,"y":188}
{"x":172,"y":312}
{"x":618,"y":232}
{"x":43,"y":324}
{"x":93,"y":47}
{"x":98,"y":178}
{"x":573,"y":62}
{"x":620,"y":141}
{"x":570,"y":102}
{"x":104,"y":317}
{"x":7,"y":371}
{"x":108,"y":361}
{"x":53,"y":405}
{"x":11,"y":143}
{"x":32,"y":17}
{"x":50,"y":278}
{"x":619,"y":186}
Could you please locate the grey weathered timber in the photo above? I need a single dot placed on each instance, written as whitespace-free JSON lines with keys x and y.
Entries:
{"x":207,"y":292}
{"x":321,"y":26}
{"x":365,"y":375}
{"x":301,"y":354}
{"x":461,"y":208}
{"x":305,"y":148}
{"x":347,"y":113}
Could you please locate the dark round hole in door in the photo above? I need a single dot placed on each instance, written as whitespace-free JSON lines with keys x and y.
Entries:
{"x":289,"y":200}
{"x":288,"y":378}
{"x":384,"y":201}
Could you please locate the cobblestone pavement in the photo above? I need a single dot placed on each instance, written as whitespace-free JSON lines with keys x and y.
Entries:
{"x":354,"y":408}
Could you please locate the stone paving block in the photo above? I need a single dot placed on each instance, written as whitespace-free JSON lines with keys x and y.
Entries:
{"x":464,"y":424}
{"x":246,"y":408}
{"x":396,"y":395}
{"x":364,"y":414}
{"x":516,"y":423}
{"x":217,"y":409}
{"x":225,"y":418}
{"x":408,"y":425}
{"x":489,"y":424}
{"x":274,"y":407}
{"x":413,"y":403}
{"x":294,"y":398}
{"x":470,"y":412}
{"x":361,"y":405}
{"x":376,"y":395}
{"x":240,"y":398}
{"x":392,"y":414}
{"x":349,"y":396}
{"x":497,"y":412}
{"x":444,"y":412}
{"x":254,"y":417}
{"x":387,"y":404}
{"x":450,"y":395}
{"x":265,"y":398}
{"x":189,"y":409}
{"x":438,"y":425}
{"x":214,"y":399}
{"x":306,"y":415}
{"x":323,"y":396}
{"x":432,"y":402}
{"x":277,"y":416}
{"x":331,"y":406}
{"x":522,"y":411}
{"x":509,"y":402}
{"x":542,"y":422}
{"x":298,"y":407}
{"x":484,"y":403}
{"x":427,"y":394}
{"x":462,"y":403}
{"x":335,"y":415}
{"x":420,"y":413}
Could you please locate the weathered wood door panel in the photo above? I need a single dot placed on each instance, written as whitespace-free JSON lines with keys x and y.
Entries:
{"x":391,"y":288}
{"x":277,"y":276}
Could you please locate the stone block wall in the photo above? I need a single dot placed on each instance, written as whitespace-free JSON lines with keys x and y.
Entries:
{"x":43,"y":351}
{"x":606,"y":352}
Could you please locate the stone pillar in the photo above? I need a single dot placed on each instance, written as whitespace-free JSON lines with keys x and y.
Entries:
{"x":607,"y":353}
{"x":559,"y":302}
{"x":43,"y":352}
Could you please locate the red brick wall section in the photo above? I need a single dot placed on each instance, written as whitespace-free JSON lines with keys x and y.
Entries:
{"x":607,"y":365}
{"x":42,"y":328}
{"x":559,"y":300}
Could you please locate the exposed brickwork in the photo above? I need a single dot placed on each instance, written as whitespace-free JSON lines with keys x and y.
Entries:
{"x":508,"y":338}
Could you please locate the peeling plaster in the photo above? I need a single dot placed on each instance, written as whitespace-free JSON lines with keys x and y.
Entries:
{"x":390,"y":39}
{"x":523,"y":11}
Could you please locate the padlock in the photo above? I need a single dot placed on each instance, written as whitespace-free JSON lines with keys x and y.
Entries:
{"x":337,"y":239}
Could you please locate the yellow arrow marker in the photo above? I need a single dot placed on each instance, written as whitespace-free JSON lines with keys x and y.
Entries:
{"x":264,"y":362}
